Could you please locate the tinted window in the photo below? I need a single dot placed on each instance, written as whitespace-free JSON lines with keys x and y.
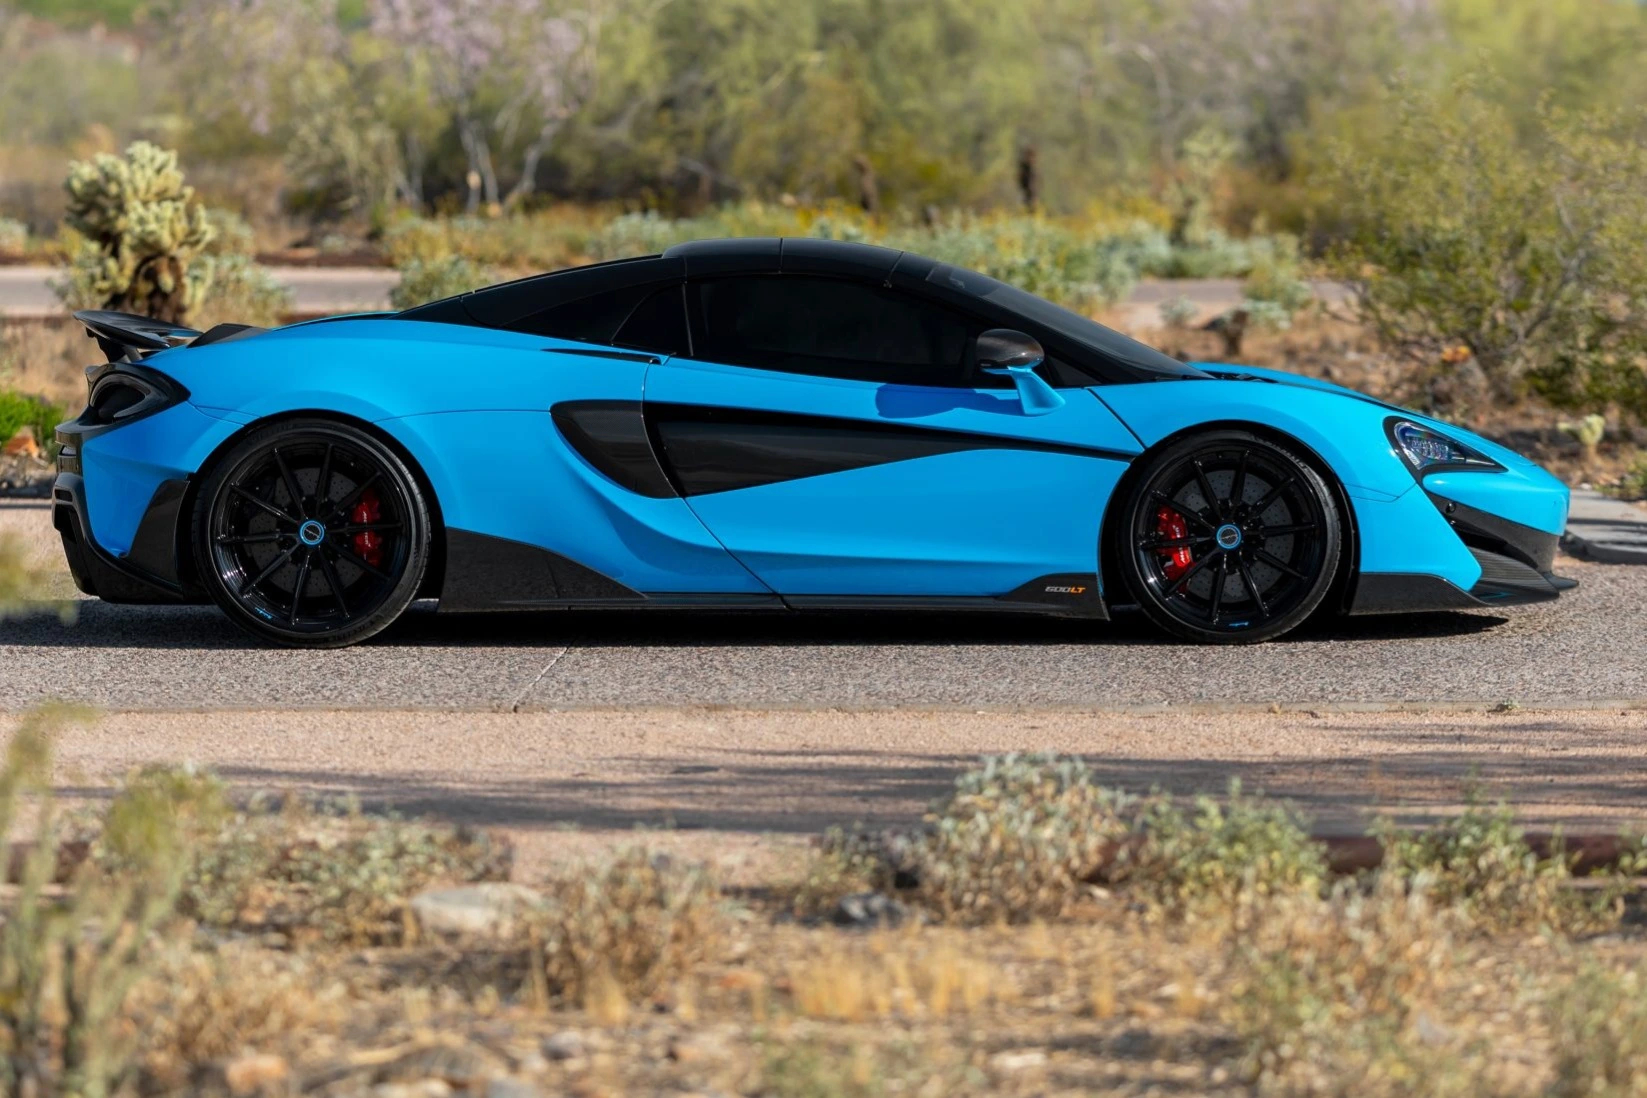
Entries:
{"x":593,"y":319}
{"x":657,"y":324}
{"x":829,"y":328}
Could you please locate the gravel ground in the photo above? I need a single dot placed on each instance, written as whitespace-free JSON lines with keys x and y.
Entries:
{"x":745,"y":787}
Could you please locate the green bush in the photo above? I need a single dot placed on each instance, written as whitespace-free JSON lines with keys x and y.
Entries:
{"x":318,"y":871}
{"x":14,"y":236}
{"x":1463,"y":230}
{"x":1480,"y":861}
{"x":18,"y":410}
{"x":1220,"y":857}
{"x":240,"y":291}
{"x":422,"y":281}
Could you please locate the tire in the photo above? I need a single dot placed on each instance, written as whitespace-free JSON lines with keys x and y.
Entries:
{"x":307,"y":564}
{"x":1248,"y":564}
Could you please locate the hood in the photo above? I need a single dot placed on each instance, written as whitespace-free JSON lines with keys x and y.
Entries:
{"x":1257,"y":374}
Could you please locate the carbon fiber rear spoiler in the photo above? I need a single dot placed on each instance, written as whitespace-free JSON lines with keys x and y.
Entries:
{"x":125,"y":337}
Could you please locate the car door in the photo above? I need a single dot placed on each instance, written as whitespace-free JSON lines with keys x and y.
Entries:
{"x":828,"y":433}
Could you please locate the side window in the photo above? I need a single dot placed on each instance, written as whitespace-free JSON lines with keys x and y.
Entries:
{"x":829,"y":328}
{"x":657,"y":324}
{"x":593,"y":319}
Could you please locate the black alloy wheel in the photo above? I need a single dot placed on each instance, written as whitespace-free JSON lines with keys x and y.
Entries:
{"x":1229,"y":538}
{"x":312,"y":534}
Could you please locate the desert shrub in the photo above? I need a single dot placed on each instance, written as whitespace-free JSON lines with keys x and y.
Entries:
{"x":1348,"y":995}
{"x":1462,"y":229}
{"x":69,"y":961}
{"x":629,"y":928}
{"x":1221,"y":857}
{"x":14,"y":236}
{"x":1598,"y":1030}
{"x":1018,"y":838}
{"x":326,"y":872}
{"x":36,"y":413}
{"x":240,"y":291}
{"x":1480,"y":861}
{"x":422,"y":281}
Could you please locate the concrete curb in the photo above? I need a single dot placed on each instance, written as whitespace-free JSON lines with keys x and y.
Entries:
{"x":1608,"y":531}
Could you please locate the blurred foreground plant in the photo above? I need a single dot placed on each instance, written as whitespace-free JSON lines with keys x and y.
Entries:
{"x":70,"y":955}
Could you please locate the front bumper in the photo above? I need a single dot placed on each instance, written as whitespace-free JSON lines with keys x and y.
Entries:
{"x":1516,"y":562}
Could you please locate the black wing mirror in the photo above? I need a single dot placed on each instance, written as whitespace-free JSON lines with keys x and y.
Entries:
{"x":1006,"y":353}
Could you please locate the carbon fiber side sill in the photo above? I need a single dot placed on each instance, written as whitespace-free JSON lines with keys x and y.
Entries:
{"x":490,"y":573}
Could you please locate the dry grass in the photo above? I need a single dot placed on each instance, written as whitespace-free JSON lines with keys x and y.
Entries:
{"x":642,"y":976}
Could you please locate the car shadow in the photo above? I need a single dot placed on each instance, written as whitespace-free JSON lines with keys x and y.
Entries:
{"x":104,"y":625}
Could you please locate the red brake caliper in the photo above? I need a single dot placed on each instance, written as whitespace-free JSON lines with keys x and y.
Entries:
{"x":368,"y":543}
{"x":1172,"y":526}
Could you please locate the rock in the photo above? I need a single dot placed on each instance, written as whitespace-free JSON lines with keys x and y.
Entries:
{"x":1018,"y":1059}
{"x":24,"y":444}
{"x":869,"y":909}
{"x":251,"y":1074}
{"x":474,"y":911}
{"x":568,"y":1044}
{"x":512,"y":1088}
{"x":426,"y":1088}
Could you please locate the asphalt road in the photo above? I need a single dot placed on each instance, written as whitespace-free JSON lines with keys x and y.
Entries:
{"x":1589,"y":649}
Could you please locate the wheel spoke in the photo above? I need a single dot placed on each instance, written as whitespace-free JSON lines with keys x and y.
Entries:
{"x":274,"y":566}
{"x":330,"y":574}
{"x":1238,"y":488}
{"x":360,"y":563}
{"x":1218,"y":585}
{"x":1283,"y":531}
{"x":1277,"y":563}
{"x":1173,"y":543}
{"x":1257,"y":596}
{"x":348,"y":501}
{"x":264,"y":504}
{"x":291,"y":483}
{"x":1206,"y":489}
{"x":250,"y":539}
{"x":1270,"y":497}
{"x":323,"y":486}
{"x":302,"y":582}
{"x":1183,"y":581}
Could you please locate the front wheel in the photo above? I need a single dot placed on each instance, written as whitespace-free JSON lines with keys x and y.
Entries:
{"x":312,"y":534}
{"x":1229,"y":538}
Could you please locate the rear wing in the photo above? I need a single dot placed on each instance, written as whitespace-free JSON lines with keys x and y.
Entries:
{"x":126,"y":337}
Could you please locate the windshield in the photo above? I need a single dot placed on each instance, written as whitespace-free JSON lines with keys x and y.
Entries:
{"x":1073,"y":327}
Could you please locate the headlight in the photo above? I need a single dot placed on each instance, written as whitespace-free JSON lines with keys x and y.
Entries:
{"x":1426,"y":451}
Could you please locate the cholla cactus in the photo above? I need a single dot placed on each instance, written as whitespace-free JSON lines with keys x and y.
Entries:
{"x":1588,"y":432}
{"x":143,"y":231}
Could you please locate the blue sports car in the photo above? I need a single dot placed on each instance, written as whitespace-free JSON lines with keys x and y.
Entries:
{"x":774,"y":424}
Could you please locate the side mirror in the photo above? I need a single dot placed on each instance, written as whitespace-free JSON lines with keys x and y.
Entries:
{"x":1006,"y":353}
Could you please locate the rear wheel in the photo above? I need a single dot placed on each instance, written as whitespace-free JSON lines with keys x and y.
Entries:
{"x":1229,"y":538}
{"x":312,"y":534}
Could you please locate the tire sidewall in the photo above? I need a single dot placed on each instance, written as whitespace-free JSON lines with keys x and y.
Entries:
{"x":250,"y":447}
{"x":1127,"y":558}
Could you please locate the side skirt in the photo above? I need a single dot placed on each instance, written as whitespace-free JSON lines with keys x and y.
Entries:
{"x":486,"y":573}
